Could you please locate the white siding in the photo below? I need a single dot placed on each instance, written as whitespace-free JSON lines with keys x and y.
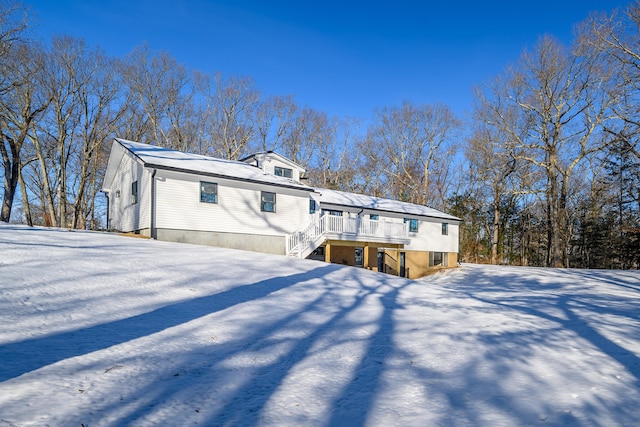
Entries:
{"x":430,"y":238}
{"x":270,"y":163}
{"x":178,"y":206}
{"x":124,"y":215}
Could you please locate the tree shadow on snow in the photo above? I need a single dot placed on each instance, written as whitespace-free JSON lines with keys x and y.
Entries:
{"x":25,"y":356}
{"x":353,"y":398}
{"x":573,"y":317}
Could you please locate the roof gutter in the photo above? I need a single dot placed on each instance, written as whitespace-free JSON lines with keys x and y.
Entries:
{"x":106,"y":195}
{"x":390,"y":211}
{"x":232,"y":178}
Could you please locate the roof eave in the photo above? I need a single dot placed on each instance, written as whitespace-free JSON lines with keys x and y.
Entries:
{"x":229,"y":177}
{"x":448,"y":218}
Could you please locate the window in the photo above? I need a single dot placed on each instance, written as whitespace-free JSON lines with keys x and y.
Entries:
{"x":284,"y":172}
{"x":134,"y":192}
{"x":208,"y":192}
{"x":267,"y":202}
{"x":437,"y":259}
{"x":413,"y":225}
{"x":332,"y":212}
{"x":445,"y":229}
{"x":312,"y":206}
{"x":373,"y":217}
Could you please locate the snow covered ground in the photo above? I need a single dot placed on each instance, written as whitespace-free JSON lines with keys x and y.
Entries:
{"x":99,"y":330}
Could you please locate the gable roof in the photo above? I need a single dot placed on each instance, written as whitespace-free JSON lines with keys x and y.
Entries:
{"x":164,"y":158}
{"x":361,"y":201}
{"x":262,"y":155}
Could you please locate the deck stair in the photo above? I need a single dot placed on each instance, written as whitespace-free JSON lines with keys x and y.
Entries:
{"x":323,"y":227}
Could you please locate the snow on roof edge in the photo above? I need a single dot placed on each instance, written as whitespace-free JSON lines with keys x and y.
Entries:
{"x":224,"y":168}
{"x":206,"y":165}
{"x":363,"y":201}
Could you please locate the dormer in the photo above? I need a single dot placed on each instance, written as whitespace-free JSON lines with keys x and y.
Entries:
{"x":274,"y":164}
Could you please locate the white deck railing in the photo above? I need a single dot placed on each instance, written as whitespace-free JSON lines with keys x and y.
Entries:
{"x":326,"y":226}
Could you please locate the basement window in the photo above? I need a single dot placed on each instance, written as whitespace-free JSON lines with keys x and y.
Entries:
{"x":437,"y":259}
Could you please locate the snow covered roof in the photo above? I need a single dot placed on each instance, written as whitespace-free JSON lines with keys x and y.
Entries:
{"x":168,"y":159}
{"x":165,"y":158}
{"x":341,"y":198}
{"x":260,"y":156}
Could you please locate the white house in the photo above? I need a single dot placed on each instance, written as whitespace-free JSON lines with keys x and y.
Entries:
{"x":261,"y":204}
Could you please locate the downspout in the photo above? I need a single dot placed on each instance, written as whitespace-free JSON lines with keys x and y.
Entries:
{"x":153,"y":231}
{"x":106,"y":195}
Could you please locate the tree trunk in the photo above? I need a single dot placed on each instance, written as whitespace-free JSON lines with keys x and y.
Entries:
{"x":554,"y":258}
{"x":62,"y":184}
{"x":10,"y":185}
{"x":25,"y":199}
{"x":12,"y":164}
{"x":49,"y":206}
{"x":496,"y":233}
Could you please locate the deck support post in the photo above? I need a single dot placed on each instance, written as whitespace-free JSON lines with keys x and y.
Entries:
{"x":327,"y":252}
{"x":366,"y":255}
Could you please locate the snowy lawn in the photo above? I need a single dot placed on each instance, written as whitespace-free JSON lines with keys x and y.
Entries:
{"x":99,"y":330}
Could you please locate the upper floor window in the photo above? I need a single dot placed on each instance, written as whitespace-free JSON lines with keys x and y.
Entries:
{"x":373,"y":217}
{"x":284,"y":172}
{"x":445,"y":229}
{"x":208,"y":192}
{"x":332,"y":212}
{"x":413,"y":224}
{"x":134,"y":192}
{"x":267,"y":202}
{"x":312,"y":206}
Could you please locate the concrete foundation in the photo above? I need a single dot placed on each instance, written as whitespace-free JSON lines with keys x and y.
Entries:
{"x":248,"y":242}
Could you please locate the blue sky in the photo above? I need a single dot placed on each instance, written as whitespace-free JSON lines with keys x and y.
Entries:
{"x":342,"y":57}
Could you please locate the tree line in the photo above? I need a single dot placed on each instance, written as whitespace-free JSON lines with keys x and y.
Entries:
{"x":545,"y":172}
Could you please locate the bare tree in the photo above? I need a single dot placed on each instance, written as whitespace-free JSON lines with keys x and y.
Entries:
{"x":492,"y":152}
{"x":164,"y":94}
{"x":13,"y":23}
{"x":560,"y":100}
{"x":275,"y":118}
{"x":333,"y":164}
{"x":99,"y":88}
{"x":617,"y":37}
{"x":494,"y":165}
{"x":311,"y":130}
{"x":233,"y":116}
{"x":409,"y":139}
{"x":19,"y":107}
{"x":61,"y":76}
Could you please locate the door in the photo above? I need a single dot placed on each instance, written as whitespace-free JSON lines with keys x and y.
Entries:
{"x":359,"y":257}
